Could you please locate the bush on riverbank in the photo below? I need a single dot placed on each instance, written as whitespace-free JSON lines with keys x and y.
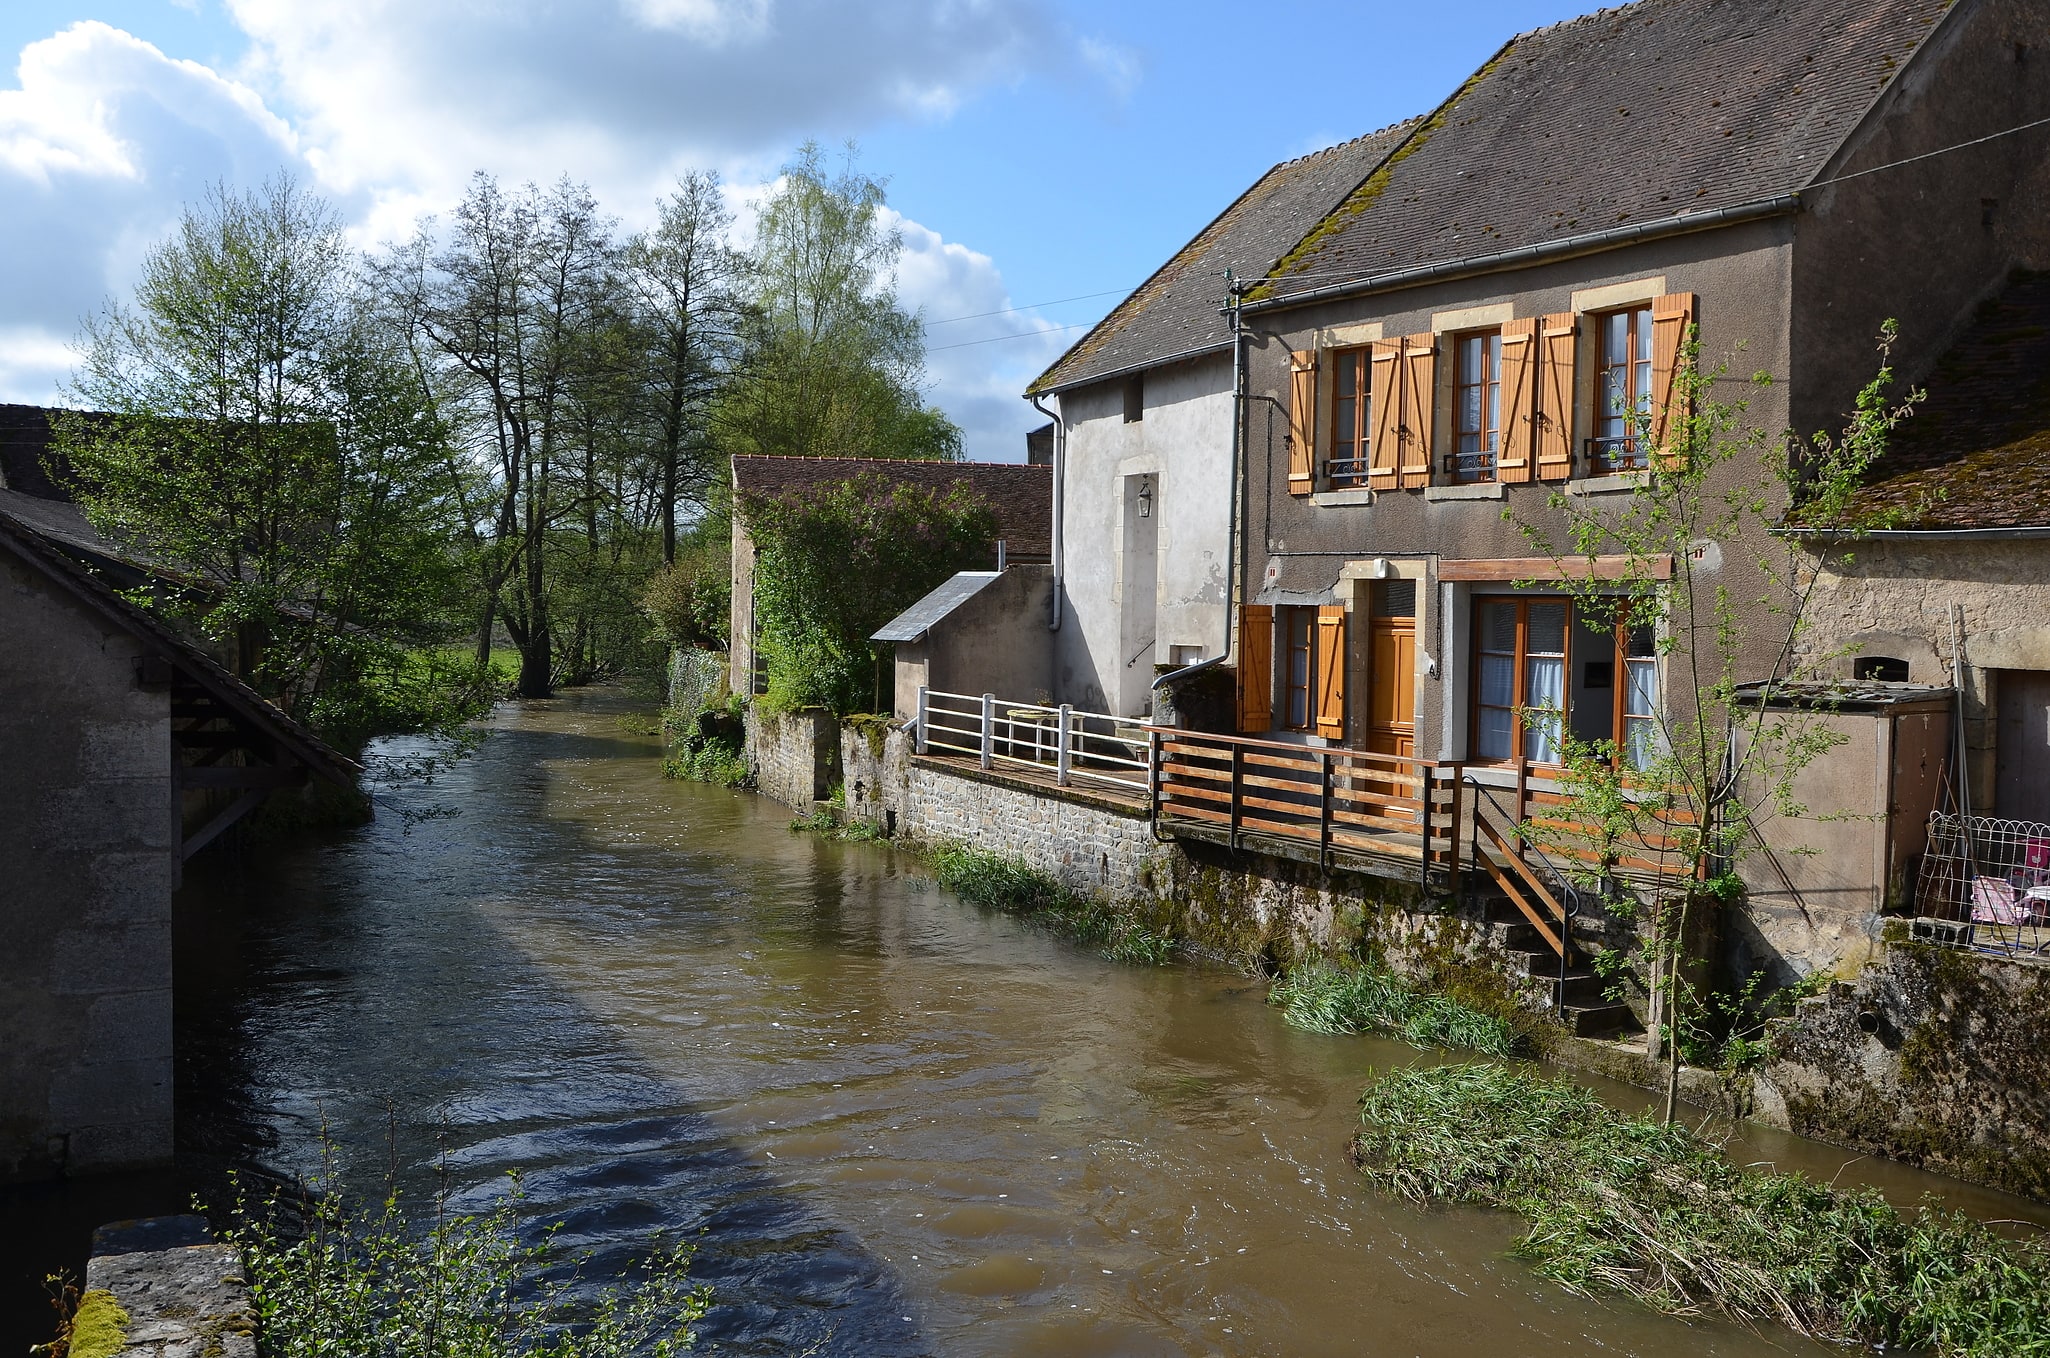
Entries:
{"x":1622,"y":1203}
{"x":1333,"y":997}
{"x":1010,"y":885}
{"x":710,"y":744}
{"x":334,"y":1275}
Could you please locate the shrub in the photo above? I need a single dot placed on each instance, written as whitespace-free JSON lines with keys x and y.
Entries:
{"x":1010,"y":885}
{"x":1625,"y":1204}
{"x":1328,"y":997}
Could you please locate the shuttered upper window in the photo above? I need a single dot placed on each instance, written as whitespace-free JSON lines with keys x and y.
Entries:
{"x":1352,"y":418}
{"x":1622,"y":390}
{"x":1477,"y":407}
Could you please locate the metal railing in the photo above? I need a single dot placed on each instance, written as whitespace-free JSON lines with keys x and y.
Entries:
{"x":1073,"y":743}
{"x":1985,"y":885}
{"x":1346,"y":473}
{"x":1617,"y":453}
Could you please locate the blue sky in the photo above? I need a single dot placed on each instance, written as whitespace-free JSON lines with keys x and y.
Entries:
{"x":1038,"y":150}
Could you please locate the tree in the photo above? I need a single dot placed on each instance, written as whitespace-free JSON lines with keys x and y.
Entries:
{"x":1722,"y":751}
{"x":268,"y":438}
{"x":831,"y":361}
{"x":834,"y":565}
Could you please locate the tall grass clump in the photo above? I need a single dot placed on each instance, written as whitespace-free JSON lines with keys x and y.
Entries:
{"x":1626,"y":1204}
{"x":1010,"y":885}
{"x":333,"y":1275}
{"x":1330,"y":997}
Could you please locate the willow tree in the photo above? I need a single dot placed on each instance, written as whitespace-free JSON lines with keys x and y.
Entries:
{"x":831,"y":362}
{"x":1697,"y":561}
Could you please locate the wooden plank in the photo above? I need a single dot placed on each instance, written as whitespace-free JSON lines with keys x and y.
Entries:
{"x":1523,"y":870}
{"x":1509,"y":889}
{"x":1508,"y":569}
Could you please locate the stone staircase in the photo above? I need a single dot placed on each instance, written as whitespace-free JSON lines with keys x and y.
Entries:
{"x":1588,"y":1012}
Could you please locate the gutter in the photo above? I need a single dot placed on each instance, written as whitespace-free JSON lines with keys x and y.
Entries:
{"x":1239,"y":492}
{"x":1055,"y":544}
{"x":1833,"y":535}
{"x":1570,"y":246}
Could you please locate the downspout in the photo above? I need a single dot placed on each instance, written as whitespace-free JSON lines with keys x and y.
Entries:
{"x":1236,"y":539}
{"x":1060,"y":467}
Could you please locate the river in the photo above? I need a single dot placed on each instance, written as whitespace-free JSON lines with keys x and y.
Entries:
{"x":897,"y":1124}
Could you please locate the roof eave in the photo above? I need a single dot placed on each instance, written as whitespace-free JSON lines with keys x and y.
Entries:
{"x":1222,"y":346}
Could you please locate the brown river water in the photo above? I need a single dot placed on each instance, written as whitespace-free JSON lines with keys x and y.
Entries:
{"x":896,"y":1124}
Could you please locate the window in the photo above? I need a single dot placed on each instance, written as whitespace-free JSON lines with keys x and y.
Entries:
{"x":1352,"y":418}
{"x":1135,"y":398}
{"x":1884,"y":669}
{"x":1526,"y":652}
{"x":1477,"y":407}
{"x":1622,"y":390}
{"x":1300,"y":652}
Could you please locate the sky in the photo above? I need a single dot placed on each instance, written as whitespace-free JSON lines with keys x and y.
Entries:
{"x":1043,"y":156}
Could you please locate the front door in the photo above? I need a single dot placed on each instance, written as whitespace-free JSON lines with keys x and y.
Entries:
{"x":1391,"y":669}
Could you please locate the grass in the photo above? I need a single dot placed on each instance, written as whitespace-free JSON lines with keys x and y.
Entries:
{"x":710,"y":763}
{"x":1012,"y":886}
{"x":1619,"y":1203}
{"x":1330,"y":997}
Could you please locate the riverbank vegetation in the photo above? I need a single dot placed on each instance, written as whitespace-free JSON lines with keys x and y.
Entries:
{"x":333,"y":1274}
{"x":1622,"y":1203}
{"x":510,"y":430}
{"x":1358,"y":997}
{"x":1011,"y":885}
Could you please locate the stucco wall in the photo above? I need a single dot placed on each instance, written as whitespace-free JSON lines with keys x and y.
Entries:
{"x":85,"y":977}
{"x":1184,"y":443}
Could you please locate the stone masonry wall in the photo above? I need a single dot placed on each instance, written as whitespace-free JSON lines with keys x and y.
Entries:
{"x":85,"y":978}
{"x":795,"y":756}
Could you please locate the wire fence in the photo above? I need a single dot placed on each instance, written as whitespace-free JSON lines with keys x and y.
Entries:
{"x":1985,"y":885}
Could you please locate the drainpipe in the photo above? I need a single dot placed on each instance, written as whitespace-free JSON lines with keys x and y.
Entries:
{"x":1236,"y":539}
{"x":1060,"y":467}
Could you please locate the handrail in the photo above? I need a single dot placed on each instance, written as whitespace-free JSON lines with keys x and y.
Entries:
{"x":1569,"y":906}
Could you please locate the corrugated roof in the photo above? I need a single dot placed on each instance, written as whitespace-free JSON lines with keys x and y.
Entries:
{"x":1176,"y":310}
{"x":1976,"y":454}
{"x":1639,"y":114}
{"x":1021,"y":494}
{"x":915,"y":621}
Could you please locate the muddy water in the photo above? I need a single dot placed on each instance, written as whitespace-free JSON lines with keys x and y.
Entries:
{"x":897,"y":1124}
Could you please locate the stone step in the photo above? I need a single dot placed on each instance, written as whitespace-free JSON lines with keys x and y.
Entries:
{"x":1598,"y":1019}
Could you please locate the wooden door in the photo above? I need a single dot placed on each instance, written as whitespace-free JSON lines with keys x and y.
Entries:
{"x":1391,"y":686}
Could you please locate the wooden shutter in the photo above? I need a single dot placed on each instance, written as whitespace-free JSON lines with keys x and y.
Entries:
{"x":1385,"y":392}
{"x":1330,"y":662}
{"x":1256,"y":669}
{"x":1517,"y":449}
{"x":1302,"y":422}
{"x":1557,"y":341}
{"x":1419,"y":408}
{"x":1670,"y":317}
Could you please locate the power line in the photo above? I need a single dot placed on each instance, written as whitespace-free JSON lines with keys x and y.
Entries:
{"x":1941,"y":150}
{"x":1031,"y":306}
{"x":1021,"y":334}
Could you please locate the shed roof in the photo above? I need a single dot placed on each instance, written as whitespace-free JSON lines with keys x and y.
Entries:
{"x":1646,"y":113}
{"x":914,"y":622}
{"x":1175,"y":312}
{"x":1976,"y":454}
{"x":31,"y":546}
{"x":1020,"y":494}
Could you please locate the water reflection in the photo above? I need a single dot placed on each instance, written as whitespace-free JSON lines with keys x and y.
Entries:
{"x":902,"y":1125}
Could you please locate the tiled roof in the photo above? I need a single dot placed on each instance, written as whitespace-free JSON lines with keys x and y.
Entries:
{"x":24,"y":442}
{"x":1624,"y":117}
{"x":1021,"y":494}
{"x":1976,"y":454}
{"x":1176,"y":310}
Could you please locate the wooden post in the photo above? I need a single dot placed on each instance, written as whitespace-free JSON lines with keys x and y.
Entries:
{"x":924,"y":710}
{"x":1520,"y":807}
{"x":989,"y":729}
{"x":1237,"y":775}
{"x":1064,"y":725}
{"x":1324,"y":810}
{"x":1152,"y":775}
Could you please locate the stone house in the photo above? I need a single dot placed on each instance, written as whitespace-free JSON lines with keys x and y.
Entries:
{"x":129,"y":750}
{"x":1018,"y":493}
{"x":1145,"y":456}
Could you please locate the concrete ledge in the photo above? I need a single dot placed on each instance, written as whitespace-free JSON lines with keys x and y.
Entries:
{"x":1606,"y":485}
{"x":1096,"y":799}
{"x":1487,"y":490}
{"x":185,"y":1297}
{"x":1338,"y":498}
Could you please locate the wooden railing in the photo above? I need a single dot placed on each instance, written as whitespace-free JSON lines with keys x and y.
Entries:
{"x":1338,"y":799}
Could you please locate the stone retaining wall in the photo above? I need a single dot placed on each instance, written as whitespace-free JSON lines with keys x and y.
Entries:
{"x":795,"y":756}
{"x":185,"y":1296}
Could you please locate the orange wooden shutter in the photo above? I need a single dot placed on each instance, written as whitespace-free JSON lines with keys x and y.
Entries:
{"x":1256,"y":669}
{"x":1670,"y":317}
{"x":1330,"y":657}
{"x":1557,"y":338}
{"x":1385,"y":393}
{"x":1302,"y":422}
{"x":1517,"y":450}
{"x":1419,"y":408}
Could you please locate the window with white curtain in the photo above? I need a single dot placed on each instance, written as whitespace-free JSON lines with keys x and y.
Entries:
{"x":1524,"y":700}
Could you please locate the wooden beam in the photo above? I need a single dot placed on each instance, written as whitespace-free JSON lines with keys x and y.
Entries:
{"x":230,"y":776}
{"x":214,"y":828}
{"x":1510,"y":569}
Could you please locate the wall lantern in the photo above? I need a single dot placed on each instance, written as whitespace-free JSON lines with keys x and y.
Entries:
{"x":1146,"y":498}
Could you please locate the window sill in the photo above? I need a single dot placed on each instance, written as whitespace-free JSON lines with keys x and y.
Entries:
{"x":1359,"y":495}
{"x":1614,"y":483}
{"x":1484,"y":490}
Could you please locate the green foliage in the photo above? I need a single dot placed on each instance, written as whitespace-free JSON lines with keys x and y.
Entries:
{"x":690,"y":601}
{"x":266,"y":437}
{"x":373,"y":1280}
{"x":1626,"y":1204}
{"x":1010,"y":885}
{"x":1330,"y":997}
{"x":831,"y":361}
{"x":835,"y":564}
{"x":89,"y":1325}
